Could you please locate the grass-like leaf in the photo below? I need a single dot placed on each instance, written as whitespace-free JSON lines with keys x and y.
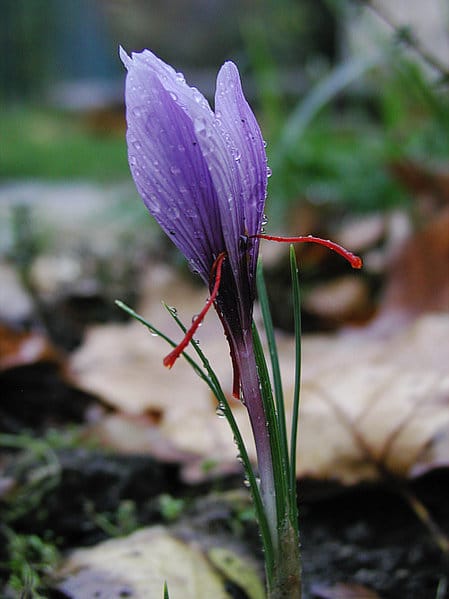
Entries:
{"x":275,"y":369}
{"x":280,"y":460}
{"x":296,"y":395}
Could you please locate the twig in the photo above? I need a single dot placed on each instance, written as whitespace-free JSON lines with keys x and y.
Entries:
{"x":406,"y":34}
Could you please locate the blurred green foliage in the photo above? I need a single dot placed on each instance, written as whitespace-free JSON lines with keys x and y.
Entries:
{"x":339,"y":146}
{"x":45,"y":144}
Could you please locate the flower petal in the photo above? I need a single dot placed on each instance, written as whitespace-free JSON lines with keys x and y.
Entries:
{"x":238,"y":119}
{"x":170,"y":170}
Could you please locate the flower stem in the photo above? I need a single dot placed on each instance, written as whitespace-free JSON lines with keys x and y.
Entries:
{"x":252,"y":397}
{"x":284,"y":573}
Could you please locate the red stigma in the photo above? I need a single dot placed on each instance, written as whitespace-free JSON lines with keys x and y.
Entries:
{"x":355,"y":261}
{"x":216,"y":269}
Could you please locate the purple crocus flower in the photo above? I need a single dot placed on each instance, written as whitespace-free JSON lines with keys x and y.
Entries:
{"x":203,"y":176}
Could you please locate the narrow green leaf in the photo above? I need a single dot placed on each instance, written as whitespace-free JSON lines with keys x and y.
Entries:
{"x":154,"y":331}
{"x":296,"y":396}
{"x":166,"y":591}
{"x":275,"y":369}
{"x":279,"y":460}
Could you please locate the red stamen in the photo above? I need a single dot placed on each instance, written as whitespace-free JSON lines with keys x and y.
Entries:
{"x":355,"y":261}
{"x":171,"y":358}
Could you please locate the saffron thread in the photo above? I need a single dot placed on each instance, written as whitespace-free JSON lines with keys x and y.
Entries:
{"x":355,"y":261}
{"x":216,"y":269}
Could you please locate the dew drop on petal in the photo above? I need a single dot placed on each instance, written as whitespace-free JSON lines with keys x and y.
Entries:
{"x":137,"y":111}
{"x":236,"y":155}
{"x":137,"y":145}
{"x":200,"y":126}
{"x":174,"y":96}
{"x":180,"y":77}
{"x":154,"y":204}
{"x":175,"y":170}
{"x":269,"y":172}
{"x":173,"y":212}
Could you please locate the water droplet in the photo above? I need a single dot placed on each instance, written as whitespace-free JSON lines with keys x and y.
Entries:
{"x":181,"y":148}
{"x":132,"y":160}
{"x":264,"y":144}
{"x":175,"y":170}
{"x":137,"y":145}
{"x":174,"y":96}
{"x":137,"y":111}
{"x":264,"y":220}
{"x":246,"y":483}
{"x":153,"y":334}
{"x":180,"y":77}
{"x":173,"y":212}
{"x":237,"y":155}
{"x":269,"y":172}
{"x":154,"y":204}
{"x":200,"y":126}
{"x":197,"y":96}
{"x":173,"y":310}
{"x":220,"y":411}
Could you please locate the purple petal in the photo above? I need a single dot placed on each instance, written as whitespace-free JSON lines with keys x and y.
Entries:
{"x":169,"y":169}
{"x":249,"y":153}
{"x":241,"y":124}
{"x":214,"y":141}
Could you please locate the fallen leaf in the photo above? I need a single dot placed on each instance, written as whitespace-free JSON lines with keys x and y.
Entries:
{"x":237,"y":569}
{"x":418,"y":275}
{"x":340,"y":300}
{"x":380,"y":404}
{"x":20,"y":348}
{"x":137,"y":566}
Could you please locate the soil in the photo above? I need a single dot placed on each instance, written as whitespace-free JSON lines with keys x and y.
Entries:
{"x":367,"y":535}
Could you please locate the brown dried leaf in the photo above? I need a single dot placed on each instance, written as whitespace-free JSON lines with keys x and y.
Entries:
{"x":378,"y":403}
{"x":18,"y":348}
{"x":138,"y":566}
{"x":418,"y":277}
